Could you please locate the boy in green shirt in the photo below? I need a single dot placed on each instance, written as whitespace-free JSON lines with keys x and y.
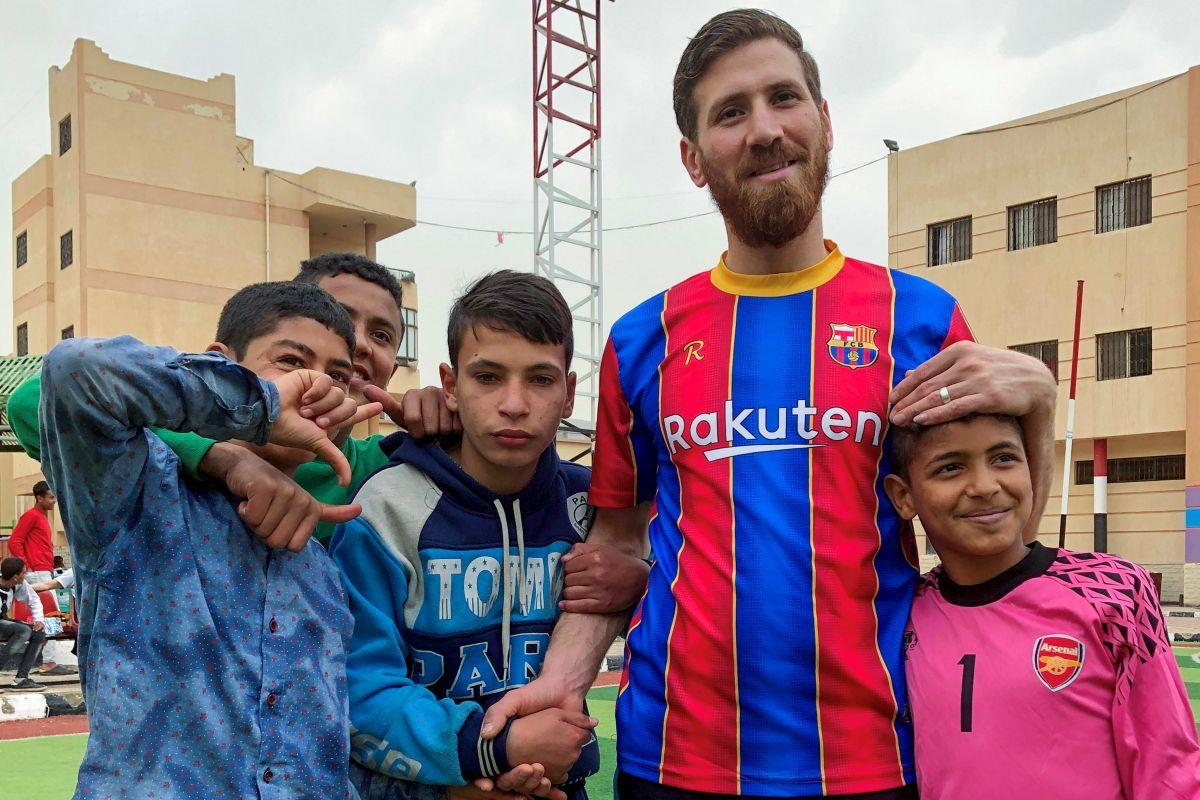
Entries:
{"x":283,"y":511}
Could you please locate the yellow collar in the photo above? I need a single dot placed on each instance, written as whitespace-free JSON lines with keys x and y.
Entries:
{"x":783,"y":283}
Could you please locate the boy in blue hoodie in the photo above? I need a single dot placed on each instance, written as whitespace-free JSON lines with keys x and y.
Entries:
{"x":453,"y":569}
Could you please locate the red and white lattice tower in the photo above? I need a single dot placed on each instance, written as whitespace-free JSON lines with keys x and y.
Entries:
{"x":566,"y":173}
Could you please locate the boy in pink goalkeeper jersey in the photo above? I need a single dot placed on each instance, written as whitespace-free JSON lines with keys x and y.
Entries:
{"x":1033,"y":672}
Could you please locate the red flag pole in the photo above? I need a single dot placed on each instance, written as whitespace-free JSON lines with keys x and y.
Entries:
{"x":1066,"y":482}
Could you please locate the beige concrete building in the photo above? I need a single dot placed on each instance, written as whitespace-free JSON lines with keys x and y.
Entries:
{"x":150,"y":212}
{"x":1008,"y":218}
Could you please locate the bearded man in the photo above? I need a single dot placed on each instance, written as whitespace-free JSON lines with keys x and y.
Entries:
{"x":750,"y":405}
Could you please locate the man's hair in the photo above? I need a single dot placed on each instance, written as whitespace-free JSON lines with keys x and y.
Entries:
{"x":258,"y":309}
{"x":721,"y":34}
{"x":40,"y":489}
{"x":512,"y":302}
{"x":904,"y":441}
{"x":327,"y":265}
{"x":11,"y":567}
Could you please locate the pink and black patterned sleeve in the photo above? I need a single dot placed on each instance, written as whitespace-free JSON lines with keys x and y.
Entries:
{"x":1155,"y":735}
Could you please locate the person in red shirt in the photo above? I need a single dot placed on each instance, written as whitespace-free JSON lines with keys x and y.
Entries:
{"x":32,"y":540}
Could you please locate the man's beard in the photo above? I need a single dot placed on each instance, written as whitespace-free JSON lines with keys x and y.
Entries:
{"x":770,"y":214}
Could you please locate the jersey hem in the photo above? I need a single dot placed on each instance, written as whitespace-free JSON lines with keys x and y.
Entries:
{"x":802,"y":788}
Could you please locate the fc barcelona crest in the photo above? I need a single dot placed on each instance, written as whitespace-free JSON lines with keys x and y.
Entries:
{"x":853,"y":346}
{"x":1057,"y":659}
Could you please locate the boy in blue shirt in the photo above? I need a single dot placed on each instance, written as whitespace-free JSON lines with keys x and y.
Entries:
{"x":453,"y":570}
{"x":213,"y":667}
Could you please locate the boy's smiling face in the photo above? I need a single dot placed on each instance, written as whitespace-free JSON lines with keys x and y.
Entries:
{"x":969,"y":483}
{"x":295,"y":343}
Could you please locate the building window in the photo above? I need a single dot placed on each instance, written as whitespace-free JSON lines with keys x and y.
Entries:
{"x":64,"y":134}
{"x":23,"y":339}
{"x":68,"y":332}
{"x":1045,"y":352}
{"x":1135,"y":470}
{"x":949,"y":241}
{"x":66,"y":249}
{"x":1124,"y":354}
{"x":22,"y":248}
{"x":1033,"y":224}
{"x":408,"y":345}
{"x":1123,"y":204}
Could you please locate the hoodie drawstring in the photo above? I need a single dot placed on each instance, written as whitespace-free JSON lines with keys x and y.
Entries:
{"x":506,"y":576}
{"x":506,"y":609}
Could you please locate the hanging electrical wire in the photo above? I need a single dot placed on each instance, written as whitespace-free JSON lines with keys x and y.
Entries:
{"x":511,"y":232}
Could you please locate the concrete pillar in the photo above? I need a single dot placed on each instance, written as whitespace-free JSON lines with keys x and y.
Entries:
{"x":369,"y":240}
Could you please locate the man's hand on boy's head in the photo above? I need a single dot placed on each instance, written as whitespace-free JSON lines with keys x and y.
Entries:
{"x":311,"y":406}
{"x":275,"y":507}
{"x":601,"y":579}
{"x":421,"y":412}
{"x":979,"y":380}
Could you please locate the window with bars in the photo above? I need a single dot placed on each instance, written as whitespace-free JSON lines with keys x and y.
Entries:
{"x":22,"y":247}
{"x":1124,"y":354}
{"x":68,"y":332}
{"x":1134,"y":470}
{"x":1123,"y":204}
{"x":1046,"y":352}
{"x":949,"y":241}
{"x":64,"y":134}
{"x":66,"y":249}
{"x":23,"y":339}
{"x":408,"y":345}
{"x":1033,"y":224}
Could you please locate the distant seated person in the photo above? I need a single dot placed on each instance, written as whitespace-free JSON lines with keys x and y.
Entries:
{"x":64,"y":580}
{"x":20,"y":639}
{"x":213,"y":666}
{"x":1033,"y":672}
{"x":59,"y":566}
{"x":32,"y":540}
{"x":54,"y":625}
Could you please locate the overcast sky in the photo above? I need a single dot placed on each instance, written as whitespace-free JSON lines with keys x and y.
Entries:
{"x":440,"y":93}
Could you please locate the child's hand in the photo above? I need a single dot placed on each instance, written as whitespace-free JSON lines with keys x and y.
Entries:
{"x":552,"y":738}
{"x":421,"y":412}
{"x":276,"y":508}
{"x":473,"y":792}
{"x":311,"y":405}
{"x":523,"y":779}
{"x":601,"y":579}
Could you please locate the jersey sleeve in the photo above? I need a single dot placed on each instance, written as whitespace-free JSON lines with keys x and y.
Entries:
{"x":1153,"y":730}
{"x":623,"y":469}
{"x":958,"y":330}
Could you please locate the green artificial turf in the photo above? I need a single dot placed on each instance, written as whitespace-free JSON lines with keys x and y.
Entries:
{"x":42,"y":768}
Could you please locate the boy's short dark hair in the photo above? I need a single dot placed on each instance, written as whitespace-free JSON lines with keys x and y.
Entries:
{"x":512,"y":302}
{"x":725,"y":32}
{"x":327,"y":265}
{"x":904,"y":441}
{"x":11,"y":567}
{"x":259,"y":308}
{"x":41,"y":489}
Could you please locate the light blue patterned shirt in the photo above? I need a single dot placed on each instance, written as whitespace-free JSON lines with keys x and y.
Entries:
{"x":212,"y":667}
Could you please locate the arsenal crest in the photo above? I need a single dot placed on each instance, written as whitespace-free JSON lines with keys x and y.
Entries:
{"x":1058,"y":660}
{"x":853,"y":346}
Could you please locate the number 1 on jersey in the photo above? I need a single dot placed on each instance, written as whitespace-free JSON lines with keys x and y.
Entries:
{"x":968,"y":690}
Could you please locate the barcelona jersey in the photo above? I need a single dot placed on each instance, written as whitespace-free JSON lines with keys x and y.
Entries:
{"x":766,"y":655}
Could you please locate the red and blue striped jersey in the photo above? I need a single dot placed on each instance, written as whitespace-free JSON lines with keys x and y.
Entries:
{"x":766,"y":655}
